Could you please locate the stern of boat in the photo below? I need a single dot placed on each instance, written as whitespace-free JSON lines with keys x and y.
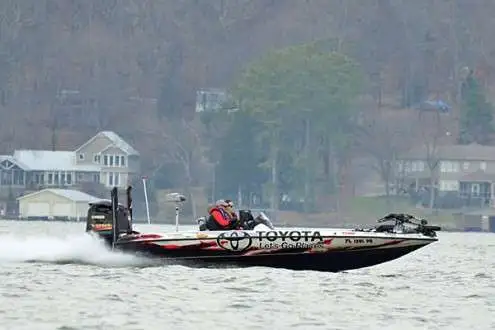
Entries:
{"x":107,"y":219}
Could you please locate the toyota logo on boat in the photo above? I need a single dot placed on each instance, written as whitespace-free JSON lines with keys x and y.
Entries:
{"x":234,"y":241}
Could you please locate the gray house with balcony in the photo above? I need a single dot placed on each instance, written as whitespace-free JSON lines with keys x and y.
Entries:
{"x":117,"y":161}
{"x":105,"y":159}
{"x":464,"y":171}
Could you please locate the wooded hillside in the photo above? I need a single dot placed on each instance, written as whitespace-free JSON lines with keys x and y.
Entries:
{"x":135,"y":65}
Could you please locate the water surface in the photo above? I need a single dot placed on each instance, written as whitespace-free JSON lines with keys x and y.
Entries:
{"x":52,"y":276}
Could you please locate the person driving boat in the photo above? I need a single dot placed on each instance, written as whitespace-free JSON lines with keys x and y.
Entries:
{"x":222,"y":216}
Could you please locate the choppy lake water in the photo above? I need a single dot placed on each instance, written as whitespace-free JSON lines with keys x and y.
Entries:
{"x":53,"y":276}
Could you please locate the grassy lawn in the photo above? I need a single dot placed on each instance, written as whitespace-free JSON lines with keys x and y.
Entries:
{"x":377,"y":207}
{"x":365,"y":211}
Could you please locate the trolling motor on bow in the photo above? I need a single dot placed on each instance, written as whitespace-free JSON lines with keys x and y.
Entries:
{"x":407,"y":223}
{"x":109,"y":219}
{"x":178,"y":200}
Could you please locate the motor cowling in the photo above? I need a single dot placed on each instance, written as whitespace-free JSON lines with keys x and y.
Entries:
{"x":99,"y":219}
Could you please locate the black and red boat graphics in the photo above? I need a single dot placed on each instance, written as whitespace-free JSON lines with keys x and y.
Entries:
{"x":261,"y":244}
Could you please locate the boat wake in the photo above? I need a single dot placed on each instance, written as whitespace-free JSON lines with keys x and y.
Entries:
{"x":77,"y":249}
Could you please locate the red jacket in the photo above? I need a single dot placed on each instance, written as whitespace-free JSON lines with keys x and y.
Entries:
{"x":223,"y":218}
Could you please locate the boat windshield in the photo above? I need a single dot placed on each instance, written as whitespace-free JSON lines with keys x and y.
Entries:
{"x":263,"y":218}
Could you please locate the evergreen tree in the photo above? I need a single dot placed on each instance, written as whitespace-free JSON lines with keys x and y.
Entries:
{"x":301,"y":96}
{"x":239,"y":158}
{"x":476,"y":113}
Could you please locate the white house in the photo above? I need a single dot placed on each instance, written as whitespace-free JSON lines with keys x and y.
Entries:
{"x":55,"y":203}
{"x":105,"y":158}
{"x":213,"y":100}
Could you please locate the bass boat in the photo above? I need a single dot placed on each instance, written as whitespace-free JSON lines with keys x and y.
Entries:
{"x":260,"y":243}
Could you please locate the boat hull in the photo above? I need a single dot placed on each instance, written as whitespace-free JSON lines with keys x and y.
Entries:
{"x":332,"y":254}
{"x":334,"y":261}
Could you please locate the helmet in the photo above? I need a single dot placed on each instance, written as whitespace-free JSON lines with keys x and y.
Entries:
{"x":224,"y":203}
{"x":227,"y":204}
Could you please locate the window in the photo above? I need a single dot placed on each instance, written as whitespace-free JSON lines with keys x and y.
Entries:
{"x":465,"y":166}
{"x":443,"y":186}
{"x":399,"y":166}
{"x":483,"y":166}
{"x":407,"y":166}
{"x":443,"y":167}
{"x":81,"y":156}
{"x":475,"y":189}
{"x":18,"y":177}
{"x":55,"y":178}
{"x":449,"y":185}
{"x":113,"y":179}
{"x":418,"y":166}
{"x":6,"y":177}
{"x":96,"y":178}
{"x":97,"y":159}
{"x":446,"y":166}
{"x":114,"y":160}
{"x":7,"y":164}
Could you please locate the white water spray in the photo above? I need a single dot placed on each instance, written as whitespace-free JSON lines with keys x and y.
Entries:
{"x":78,"y":249}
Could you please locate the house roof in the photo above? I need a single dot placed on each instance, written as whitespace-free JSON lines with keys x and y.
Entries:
{"x":120,"y":143}
{"x":47,"y":160}
{"x":482,"y":212}
{"x":478,"y":176}
{"x":14,"y":161}
{"x":117,"y":141}
{"x":454,"y":152}
{"x":73,"y":195}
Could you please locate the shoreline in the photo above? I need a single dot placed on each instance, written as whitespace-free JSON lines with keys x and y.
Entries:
{"x":449,"y":229}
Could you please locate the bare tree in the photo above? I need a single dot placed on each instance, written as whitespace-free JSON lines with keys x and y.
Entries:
{"x":434,"y":132}
{"x":182,"y":145}
{"x":383,"y":135}
{"x":113,"y":51}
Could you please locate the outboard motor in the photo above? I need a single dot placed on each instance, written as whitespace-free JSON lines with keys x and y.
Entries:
{"x":109,"y":219}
